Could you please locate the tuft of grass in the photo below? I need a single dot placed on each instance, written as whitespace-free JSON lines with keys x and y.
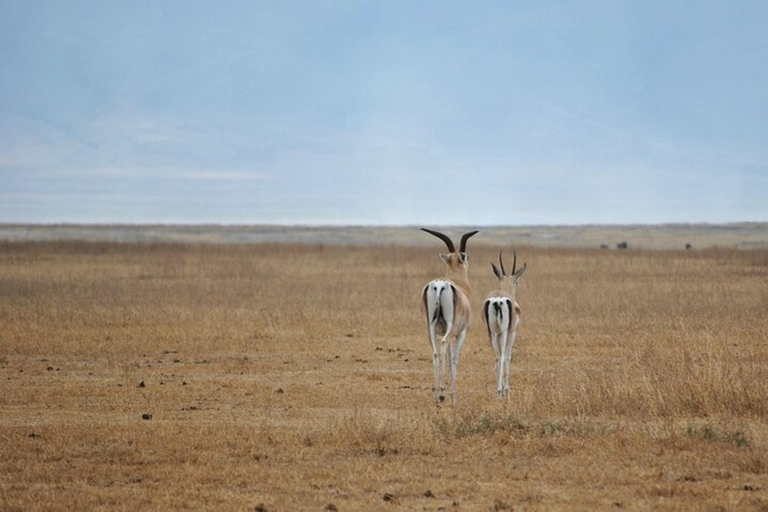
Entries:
{"x":489,"y":424}
{"x":709,"y":432}
{"x":486,"y":424}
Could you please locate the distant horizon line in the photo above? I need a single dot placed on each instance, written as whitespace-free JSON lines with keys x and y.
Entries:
{"x":364,"y":225}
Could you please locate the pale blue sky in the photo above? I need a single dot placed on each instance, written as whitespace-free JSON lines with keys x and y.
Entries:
{"x":391,"y":112}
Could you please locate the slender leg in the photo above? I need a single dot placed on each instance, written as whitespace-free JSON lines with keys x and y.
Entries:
{"x":435,"y":361}
{"x":508,"y":342}
{"x":498,"y":372}
{"x":503,"y":343}
{"x":496,"y":341}
{"x":444,"y":363}
{"x":449,"y":364}
{"x":455,"y":364}
{"x":511,"y":346}
{"x":495,"y":346}
{"x":497,"y":352}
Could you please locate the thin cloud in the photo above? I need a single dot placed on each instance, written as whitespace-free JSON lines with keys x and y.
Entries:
{"x":222,"y":176}
{"x":181,"y":173}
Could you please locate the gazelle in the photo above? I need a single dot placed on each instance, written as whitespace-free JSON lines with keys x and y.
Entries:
{"x":445,"y":303}
{"x":502,"y":315}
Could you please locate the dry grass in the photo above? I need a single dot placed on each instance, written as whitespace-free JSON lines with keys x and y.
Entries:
{"x":285,"y":377}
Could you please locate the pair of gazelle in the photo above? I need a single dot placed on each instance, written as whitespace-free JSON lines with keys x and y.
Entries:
{"x":446,"y":304}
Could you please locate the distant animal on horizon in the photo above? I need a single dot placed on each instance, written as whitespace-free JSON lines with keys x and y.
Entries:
{"x":502,"y":316}
{"x":446,"y":305}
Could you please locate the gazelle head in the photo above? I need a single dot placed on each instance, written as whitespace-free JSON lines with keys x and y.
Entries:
{"x":508,"y":282}
{"x":457,"y":261}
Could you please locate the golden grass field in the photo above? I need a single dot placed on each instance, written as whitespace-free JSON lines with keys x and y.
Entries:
{"x":298,"y":377}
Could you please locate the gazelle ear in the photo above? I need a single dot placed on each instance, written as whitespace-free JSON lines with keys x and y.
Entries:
{"x":496,"y":272}
{"x":519,"y":274}
{"x":445,"y":257}
{"x":463,"y":257}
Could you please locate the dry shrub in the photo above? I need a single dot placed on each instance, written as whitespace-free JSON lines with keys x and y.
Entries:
{"x":376,"y":434}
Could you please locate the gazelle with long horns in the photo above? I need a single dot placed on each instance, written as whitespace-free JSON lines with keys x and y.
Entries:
{"x":502,"y":315}
{"x":446,"y":305}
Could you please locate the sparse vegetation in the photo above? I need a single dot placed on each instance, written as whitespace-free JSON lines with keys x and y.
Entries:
{"x":269,"y":378}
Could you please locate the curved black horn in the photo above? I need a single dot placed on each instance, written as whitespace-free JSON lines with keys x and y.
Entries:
{"x":503,"y":272}
{"x":444,"y":238}
{"x":514,"y":263}
{"x":464,"y":239}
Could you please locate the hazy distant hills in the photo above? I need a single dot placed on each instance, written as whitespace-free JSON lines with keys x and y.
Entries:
{"x":666,"y":236}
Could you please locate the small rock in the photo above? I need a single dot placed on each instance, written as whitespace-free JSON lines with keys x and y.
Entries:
{"x":388,"y":497}
{"x":141,"y":385}
{"x":146,"y":416}
{"x":331,"y":507}
{"x":429,"y":494}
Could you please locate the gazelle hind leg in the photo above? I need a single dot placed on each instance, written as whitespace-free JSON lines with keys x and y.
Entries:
{"x":455,"y":353}
{"x":497,"y":353}
{"x":508,"y":355}
{"x":444,"y":364}
{"x":435,"y":361}
{"x":500,"y":387}
{"x":497,"y":350}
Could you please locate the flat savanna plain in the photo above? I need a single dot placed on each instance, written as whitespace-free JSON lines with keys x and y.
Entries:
{"x":298,"y":377}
